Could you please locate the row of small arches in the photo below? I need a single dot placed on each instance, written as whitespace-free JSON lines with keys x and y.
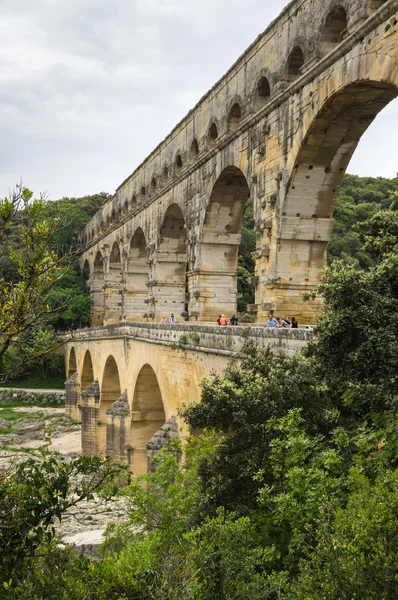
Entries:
{"x":334,"y":30}
{"x":146,"y":396}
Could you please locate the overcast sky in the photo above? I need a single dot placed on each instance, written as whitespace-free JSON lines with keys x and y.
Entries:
{"x":89,"y":87}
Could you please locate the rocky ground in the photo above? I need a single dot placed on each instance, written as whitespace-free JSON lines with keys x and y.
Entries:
{"x":29,"y":427}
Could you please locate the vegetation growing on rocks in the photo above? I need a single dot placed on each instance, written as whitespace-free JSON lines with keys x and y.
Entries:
{"x":291,"y":489}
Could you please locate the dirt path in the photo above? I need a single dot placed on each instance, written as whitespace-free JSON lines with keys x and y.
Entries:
{"x":47,"y":410}
{"x":66,"y":444}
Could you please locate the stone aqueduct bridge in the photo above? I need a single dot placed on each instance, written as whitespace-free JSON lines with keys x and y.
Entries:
{"x":280,"y":127}
{"x":127,"y":382}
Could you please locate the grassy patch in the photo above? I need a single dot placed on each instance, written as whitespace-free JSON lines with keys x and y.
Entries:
{"x":20,"y":403}
{"x":5,"y":430}
{"x":8,"y":414}
{"x":33,"y":451}
{"x":35,"y":383}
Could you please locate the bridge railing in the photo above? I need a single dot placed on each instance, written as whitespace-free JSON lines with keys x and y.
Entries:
{"x":208,"y":338}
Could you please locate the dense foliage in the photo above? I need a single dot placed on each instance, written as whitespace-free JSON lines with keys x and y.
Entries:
{"x":358,"y":200}
{"x":31,"y":268}
{"x":246,"y":264}
{"x":35,"y":493}
{"x":41,"y":290}
{"x":290,"y":492}
{"x":73,"y":214}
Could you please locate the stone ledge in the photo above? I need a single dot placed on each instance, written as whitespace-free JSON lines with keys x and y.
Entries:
{"x":31,"y":397}
{"x":126,"y":328}
{"x":211,"y":339}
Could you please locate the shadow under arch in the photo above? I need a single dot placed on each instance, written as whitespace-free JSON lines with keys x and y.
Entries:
{"x":219,"y":247}
{"x":72,"y":364}
{"x":148,"y":416}
{"x":320,"y":164}
{"x":86,"y":271}
{"x":113,"y":304}
{"x":334,"y":29}
{"x":235,"y":116}
{"x":262,"y":93}
{"x":136,"y":292}
{"x":97,"y":291}
{"x":87,"y":374}
{"x":171,"y":264}
{"x":110,"y":392}
{"x":294,"y":64}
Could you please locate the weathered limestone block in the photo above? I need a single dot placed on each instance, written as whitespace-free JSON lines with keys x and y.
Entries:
{"x":90,"y":412}
{"x":118,"y":428}
{"x":279,"y":128}
{"x":161,"y":439}
{"x":72,"y":398}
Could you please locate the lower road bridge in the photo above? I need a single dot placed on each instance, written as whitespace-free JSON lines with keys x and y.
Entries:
{"x":126,"y":382}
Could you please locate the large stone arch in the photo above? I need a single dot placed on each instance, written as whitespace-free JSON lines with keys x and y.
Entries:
{"x":137,"y":275}
{"x":215,"y":288}
{"x":86,"y":275}
{"x":170,"y":269}
{"x":317,"y":162}
{"x":72,"y":387}
{"x":113,"y":286}
{"x":72,"y":363}
{"x":87,"y":371}
{"x":110,"y":392}
{"x":329,"y":144}
{"x":148,"y":416}
{"x":97,"y":291}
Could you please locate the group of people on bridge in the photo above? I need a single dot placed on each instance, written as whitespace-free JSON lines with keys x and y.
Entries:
{"x":222,"y":321}
{"x":279,"y":323}
{"x":275,"y":322}
{"x":172,"y":319}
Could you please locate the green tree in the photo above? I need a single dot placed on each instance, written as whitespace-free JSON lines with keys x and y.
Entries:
{"x":358,"y":200}
{"x":36,"y":270}
{"x":246,"y":264}
{"x":293,"y":493}
{"x":357,"y":332}
{"x":34,"y":494}
{"x":71,"y":292}
{"x":73,"y":214}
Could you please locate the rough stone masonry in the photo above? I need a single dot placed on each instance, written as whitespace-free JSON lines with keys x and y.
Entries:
{"x":280,"y":127}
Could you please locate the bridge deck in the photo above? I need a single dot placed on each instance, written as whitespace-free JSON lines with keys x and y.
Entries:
{"x":201,"y":337}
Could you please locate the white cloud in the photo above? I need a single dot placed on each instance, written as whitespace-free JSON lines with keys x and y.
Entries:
{"x":89,"y":87}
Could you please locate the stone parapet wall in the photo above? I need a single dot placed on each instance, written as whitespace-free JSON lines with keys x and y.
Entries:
{"x":223,"y":341}
{"x":32,"y":397}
